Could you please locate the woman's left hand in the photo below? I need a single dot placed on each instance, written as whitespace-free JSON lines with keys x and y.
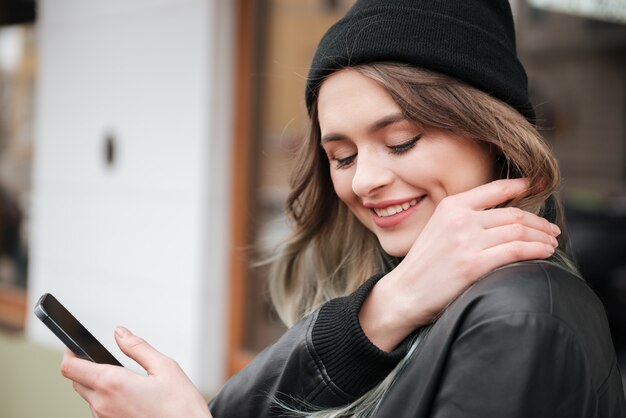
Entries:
{"x":116,"y":392}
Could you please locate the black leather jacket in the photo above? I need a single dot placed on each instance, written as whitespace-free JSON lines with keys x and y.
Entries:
{"x":528,"y":340}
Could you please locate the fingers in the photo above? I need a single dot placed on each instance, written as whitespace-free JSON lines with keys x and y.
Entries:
{"x":505,"y":216}
{"x":88,"y":395}
{"x":516,"y":233}
{"x":494,"y":193}
{"x":513,"y":235}
{"x":84,"y":392}
{"x":515,"y":251}
{"x":139,"y":350}
{"x":81,"y":371}
{"x":504,"y":225}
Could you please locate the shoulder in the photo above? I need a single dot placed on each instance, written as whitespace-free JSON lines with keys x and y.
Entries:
{"x":542,"y":304}
{"x":538,"y":289}
{"x":528,"y":340}
{"x":533,"y":287}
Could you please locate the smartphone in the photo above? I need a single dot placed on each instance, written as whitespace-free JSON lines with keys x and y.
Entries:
{"x":73,"y":334}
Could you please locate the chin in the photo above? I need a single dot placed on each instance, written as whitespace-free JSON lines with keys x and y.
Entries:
{"x":395,"y":249}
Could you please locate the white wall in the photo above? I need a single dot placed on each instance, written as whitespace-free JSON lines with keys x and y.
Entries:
{"x":143,"y":243}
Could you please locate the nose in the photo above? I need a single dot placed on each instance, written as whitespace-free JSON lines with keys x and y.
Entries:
{"x":371,"y":174}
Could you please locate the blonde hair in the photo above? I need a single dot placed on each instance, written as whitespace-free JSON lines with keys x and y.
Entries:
{"x":330,"y":253}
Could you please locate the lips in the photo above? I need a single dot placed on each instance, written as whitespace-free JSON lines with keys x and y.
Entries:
{"x":392,"y":214}
{"x":393,"y":209}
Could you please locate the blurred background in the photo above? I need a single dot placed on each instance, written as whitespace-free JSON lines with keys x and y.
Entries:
{"x":144,"y":155}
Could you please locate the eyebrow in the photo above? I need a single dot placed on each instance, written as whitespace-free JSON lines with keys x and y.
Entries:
{"x":376,"y":126}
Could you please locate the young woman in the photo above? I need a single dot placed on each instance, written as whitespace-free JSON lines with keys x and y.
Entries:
{"x":421,"y":174}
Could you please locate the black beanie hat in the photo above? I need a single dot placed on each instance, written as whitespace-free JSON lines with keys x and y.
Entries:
{"x":471,"y":40}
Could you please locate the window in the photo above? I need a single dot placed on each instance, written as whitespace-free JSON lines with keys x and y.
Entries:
{"x":277,"y":40}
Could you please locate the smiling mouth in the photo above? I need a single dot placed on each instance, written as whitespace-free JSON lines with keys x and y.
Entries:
{"x":395,"y":209}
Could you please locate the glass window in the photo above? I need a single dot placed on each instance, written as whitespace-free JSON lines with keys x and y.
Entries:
{"x":280,"y":49}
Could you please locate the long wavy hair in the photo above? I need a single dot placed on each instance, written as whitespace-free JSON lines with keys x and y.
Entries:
{"x":330,"y":253}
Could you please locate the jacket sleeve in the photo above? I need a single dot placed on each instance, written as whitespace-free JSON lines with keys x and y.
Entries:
{"x":323,"y":361}
{"x":518,"y":365}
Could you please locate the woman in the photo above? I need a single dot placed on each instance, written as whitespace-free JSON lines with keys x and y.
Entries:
{"x":422,"y":171}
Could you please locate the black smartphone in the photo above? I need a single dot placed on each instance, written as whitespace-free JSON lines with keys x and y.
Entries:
{"x":73,"y":334}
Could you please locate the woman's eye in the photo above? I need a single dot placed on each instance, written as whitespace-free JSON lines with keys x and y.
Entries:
{"x":344,"y":162}
{"x":405,"y":146}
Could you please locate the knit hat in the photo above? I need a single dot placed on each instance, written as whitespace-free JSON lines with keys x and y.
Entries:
{"x":471,"y":40}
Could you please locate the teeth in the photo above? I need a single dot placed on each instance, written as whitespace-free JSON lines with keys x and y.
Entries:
{"x":393,"y":209}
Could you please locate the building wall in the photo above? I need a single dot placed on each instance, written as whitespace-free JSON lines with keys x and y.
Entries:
{"x":576,"y":73}
{"x":141,"y":242}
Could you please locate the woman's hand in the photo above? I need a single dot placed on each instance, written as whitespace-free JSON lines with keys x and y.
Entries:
{"x":115,"y":392}
{"x":463,"y":241}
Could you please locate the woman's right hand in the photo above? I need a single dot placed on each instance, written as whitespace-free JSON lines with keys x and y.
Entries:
{"x":116,"y":392}
{"x":464,"y":240}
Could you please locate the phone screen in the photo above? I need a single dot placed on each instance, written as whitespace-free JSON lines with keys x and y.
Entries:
{"x":73,"y":334}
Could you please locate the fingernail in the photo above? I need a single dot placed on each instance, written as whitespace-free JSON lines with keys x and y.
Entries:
{"x":555,"y":229}
{"x":555,"y":242}
{"x":122,"y":332}
{"x":550,"y":249}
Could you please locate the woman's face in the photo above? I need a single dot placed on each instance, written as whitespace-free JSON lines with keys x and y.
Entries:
{"x":391,"y":172}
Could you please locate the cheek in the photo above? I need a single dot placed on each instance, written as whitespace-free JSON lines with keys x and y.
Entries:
{"x":463,"y":174}
{"x":342,"y":183}
{"x":473,"y":176}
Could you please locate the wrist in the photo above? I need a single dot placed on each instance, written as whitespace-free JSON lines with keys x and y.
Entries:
{"x":383,"y":318}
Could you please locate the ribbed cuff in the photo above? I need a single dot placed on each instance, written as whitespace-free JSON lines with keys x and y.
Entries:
{"x":352,"y":362}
